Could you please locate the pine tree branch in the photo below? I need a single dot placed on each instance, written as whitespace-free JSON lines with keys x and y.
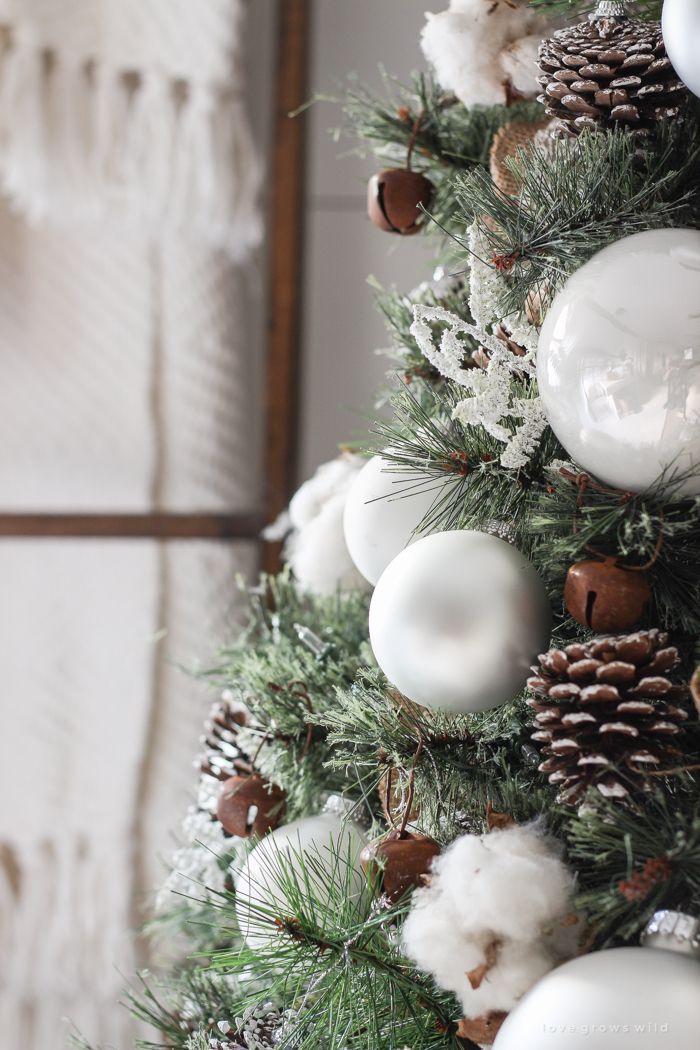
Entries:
{"x":287,"y":682}
{"x":587,"y":193}
{"x":397,"y":311}
{"x":609,"y":844}
{"x":333,"y":956}
{"x":461,"y":463}
{"x":449,"y":137}
{"x":466,"y":761}
{"x":660,"y":526}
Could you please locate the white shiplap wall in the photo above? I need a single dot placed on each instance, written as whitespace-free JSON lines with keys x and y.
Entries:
{"x":341,"y":328}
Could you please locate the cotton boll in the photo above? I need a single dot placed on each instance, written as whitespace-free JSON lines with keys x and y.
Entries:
{"x":519,"y":63}
{"x":505,"y":893}
{"x":450,"y":42}
{"x":316,"y":550}
{"x":467,"y":45}
{"x":331,"y":479}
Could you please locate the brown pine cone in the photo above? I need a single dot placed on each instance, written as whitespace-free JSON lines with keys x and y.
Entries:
{"x":606,"y":714}
{"x":609,"y":71}
{"x":221,"y":757}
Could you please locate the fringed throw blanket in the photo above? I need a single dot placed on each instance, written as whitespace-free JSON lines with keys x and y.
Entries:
{"x":128,"y":111}
{"x":126,"y":385}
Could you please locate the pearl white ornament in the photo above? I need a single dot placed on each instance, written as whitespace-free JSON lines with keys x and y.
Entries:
{"x":680,"y":24}
{"x":259,"y":882}
{"x":457,"y":619}
{"x":618,"y":364}
{"x":382,"y":511}
{"x":621,"y":999}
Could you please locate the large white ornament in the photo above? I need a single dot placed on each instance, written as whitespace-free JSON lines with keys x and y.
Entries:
{"x":259,"y":883}
{"x":618,"y":364}
{"x":382,"y":511}
{"x":680,"y":24}
{"x":456,"y":620}
{"x":621,"y":999}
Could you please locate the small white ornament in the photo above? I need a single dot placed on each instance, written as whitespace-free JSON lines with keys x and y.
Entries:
{"x":680,"y":24}
{"x":618,"y":364}
{"x":620,"y":999}
{"x":457,"y":619}
{"x":500,"y":901}
{"x":259,"y":883}
{"x":383,"y":511}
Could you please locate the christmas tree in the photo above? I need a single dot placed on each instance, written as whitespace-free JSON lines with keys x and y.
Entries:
{"x":453,"y":774}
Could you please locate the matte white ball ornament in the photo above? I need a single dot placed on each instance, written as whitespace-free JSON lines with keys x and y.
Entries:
{"x":618,"y":364}
{"x":382,"y":511}
{"x":680,"y":24}
{"x":620,"y":999}
{"x":457,"y":619}
{"x":260,"y":881}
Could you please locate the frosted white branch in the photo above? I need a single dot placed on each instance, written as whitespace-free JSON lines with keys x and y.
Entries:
{"x":448,"y":355}
{"x":485,"y":286}
{"x":491,"y":389}
{"x":523,"y":444}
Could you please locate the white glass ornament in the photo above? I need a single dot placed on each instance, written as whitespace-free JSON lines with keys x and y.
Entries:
{"x":618,"y":364}
{"x":457,"y":619}
{"x":259,"y":882}
{"x":382,"y":511}
{"x":680,"y":24}
{"x":621,"y":999}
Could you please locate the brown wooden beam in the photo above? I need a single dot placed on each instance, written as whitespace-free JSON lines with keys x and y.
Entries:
{"x":286,"y":230}
{"x":159,"y":526}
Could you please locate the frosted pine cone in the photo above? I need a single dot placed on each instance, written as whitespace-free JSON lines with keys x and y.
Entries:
{"x":221,"y":755}
{"x":609,"y":71}
{"x":607,"y":714}
{"x":257,"y":1029}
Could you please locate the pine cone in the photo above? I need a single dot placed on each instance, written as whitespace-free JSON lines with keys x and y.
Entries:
{"x":606,"y":714}
{"x":609,"y":71}
{"x":221,"y":756}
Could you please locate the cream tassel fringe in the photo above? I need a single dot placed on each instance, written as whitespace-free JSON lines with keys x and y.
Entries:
{"x":81,"y":142}
{"x":62,"y":916}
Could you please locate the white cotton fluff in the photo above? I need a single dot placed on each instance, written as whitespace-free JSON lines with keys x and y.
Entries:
{"x":477,"y":46}
{"x":508,"y":887}
{"x":316,"y":548}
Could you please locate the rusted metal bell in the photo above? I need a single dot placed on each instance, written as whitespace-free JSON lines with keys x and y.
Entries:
{"x":249,"y":805}
{"x":604,"y":596}
{"x":394,"y":197}
{"x":400,"y":862}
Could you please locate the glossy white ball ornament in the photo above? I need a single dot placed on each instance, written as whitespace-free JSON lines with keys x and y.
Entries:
{"x":621,"y":999}
{"x":680,"y":24}
{"x":382,"y":511}
{"x":260,"y":881}
{"x":457,"y":619}
{"x":618,"y":364}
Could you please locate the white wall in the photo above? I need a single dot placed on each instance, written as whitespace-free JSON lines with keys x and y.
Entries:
{"x":341,"y":328}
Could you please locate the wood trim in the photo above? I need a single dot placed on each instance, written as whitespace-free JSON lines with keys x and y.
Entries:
{"x":158,"y":526}
{"x":286,"y":226}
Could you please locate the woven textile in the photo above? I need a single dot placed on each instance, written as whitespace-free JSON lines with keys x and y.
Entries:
{"x":129,"y":112}
{"x":128,"y":378}
{"x":127,"y":385}
{"x":99,"y":727}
